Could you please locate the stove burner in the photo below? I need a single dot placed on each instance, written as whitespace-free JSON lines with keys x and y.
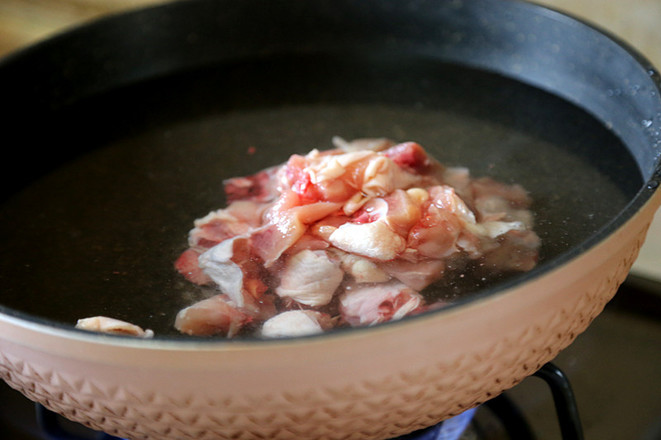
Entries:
{"x":452,"y":429}
{"x":51,"y":427}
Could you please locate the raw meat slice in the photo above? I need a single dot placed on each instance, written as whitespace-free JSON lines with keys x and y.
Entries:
{"x":369,"y":305}
{"x":353,"y":234}
{"x":310,"y":278}
{"x":296,"y":323}
{"x":374,"y":240}
{"x":104,"y":324}
{"x":212,"y":316}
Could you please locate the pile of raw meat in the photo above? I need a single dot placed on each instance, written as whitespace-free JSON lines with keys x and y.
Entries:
{"x":347,"y":237}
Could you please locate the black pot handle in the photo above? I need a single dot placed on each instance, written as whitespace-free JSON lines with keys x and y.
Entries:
{"x":564,"y":400}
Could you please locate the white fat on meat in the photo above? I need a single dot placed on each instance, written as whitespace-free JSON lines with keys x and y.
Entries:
{"x":361,"y":269}
{"x":218,"y":265}
{"x":373,"y":240}
{"x":369,"y":305}
{"x":310,"y":278}
{"x":296,"y":323}
{"x":324,"y":168}
{"x":373,"y":144}
{"x":495,"y":228}
{"x":104,"y":324}
{"x":382,"y":176}
{"x":248,"y":213}
{"x":354,"y":203}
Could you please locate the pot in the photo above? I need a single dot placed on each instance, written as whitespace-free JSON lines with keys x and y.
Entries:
{"x":137,"y":118}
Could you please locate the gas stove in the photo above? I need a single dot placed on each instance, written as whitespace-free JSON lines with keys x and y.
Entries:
{"x":605,"y":386}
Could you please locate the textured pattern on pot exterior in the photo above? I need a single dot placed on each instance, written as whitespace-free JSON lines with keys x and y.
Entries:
{"x":368,"y":384}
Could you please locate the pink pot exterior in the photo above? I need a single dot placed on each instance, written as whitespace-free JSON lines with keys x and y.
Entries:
{"x":368,"y":384}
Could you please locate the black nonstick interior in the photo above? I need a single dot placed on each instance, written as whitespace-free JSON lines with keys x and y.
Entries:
{"x":99,"y":235}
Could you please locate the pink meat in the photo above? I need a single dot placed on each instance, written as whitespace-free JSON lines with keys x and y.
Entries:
{"x":188,"y":265}
{"x":516,"y":195}
{"x":307,"y":242}
{"x":375,"y":220}
{"x":238,"y":218}
{"x":516,"y":251}
{"x":435,"y":235}
{"x":212,"y":316}
{"x":286,"y":227}
{"x":416,"y":275}
{"x":238,"y":275}
{"x":259,"y":187}
{"x":369,"y":305}
{"x":404,"y":211}
{"x":409,"y":155}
